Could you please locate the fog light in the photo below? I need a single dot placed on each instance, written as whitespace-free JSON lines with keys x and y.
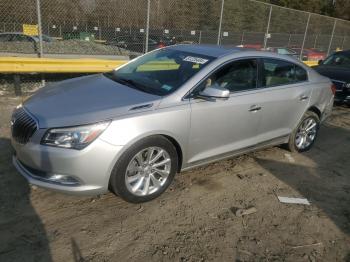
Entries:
{"x":63,"y":179}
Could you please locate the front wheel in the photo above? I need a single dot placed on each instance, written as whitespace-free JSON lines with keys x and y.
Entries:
{"x":304,"y":136}
{"x":145,"y":170}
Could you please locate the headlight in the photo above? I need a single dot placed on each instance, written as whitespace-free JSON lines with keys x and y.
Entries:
{"x":73,"y":137}
{"x":347,"y":85}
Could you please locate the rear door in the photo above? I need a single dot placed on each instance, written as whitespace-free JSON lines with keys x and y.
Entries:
{"x":285,"y":95}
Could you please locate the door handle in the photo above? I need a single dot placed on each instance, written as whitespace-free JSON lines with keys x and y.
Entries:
{"x":303,"y":97}
{"x":254,"y":108}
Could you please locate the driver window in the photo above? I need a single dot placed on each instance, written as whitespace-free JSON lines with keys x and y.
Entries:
{"x":236,"y":76}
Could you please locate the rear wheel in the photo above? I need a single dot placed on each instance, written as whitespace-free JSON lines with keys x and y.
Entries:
{"x":304,"y":136}
{"x":145,"y":170}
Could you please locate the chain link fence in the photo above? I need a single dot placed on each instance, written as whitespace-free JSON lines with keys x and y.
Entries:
{"x":132,"y":27}
{"x":121,"y":29}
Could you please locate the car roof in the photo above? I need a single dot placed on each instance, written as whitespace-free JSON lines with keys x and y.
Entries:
{"x":209,"y":50}
{"x":220,"y":51}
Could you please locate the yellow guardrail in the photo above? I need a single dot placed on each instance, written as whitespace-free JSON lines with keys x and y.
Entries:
{"x":55,"y":65}
{"x":22,"y":65}
{"x":311,"y":63}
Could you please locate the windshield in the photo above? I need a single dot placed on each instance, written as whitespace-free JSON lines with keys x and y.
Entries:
{"x":160,"y":72}
{"x":338,"y":60}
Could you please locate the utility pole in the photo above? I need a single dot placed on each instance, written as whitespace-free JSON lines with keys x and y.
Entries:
{"x":40,"y":32}
{"x":220,"y":23}
{"x":147,"y":26}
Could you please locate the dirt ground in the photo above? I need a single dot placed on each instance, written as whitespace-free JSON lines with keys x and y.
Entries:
{"x":194,"y":220}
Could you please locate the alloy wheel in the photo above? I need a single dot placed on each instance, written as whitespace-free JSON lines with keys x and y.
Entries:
{"x":306,"y":133}
{"x":148,"y":170}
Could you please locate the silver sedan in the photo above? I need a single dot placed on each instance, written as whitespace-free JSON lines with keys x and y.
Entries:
{"x":133,"y":129}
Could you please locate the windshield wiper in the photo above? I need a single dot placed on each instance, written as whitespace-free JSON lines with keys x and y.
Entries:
{"x":132,"y":83}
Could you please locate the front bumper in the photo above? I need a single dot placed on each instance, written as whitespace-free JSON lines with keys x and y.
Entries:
{"x":91,"y":167}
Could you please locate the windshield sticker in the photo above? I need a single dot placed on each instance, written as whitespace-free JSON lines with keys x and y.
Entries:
{"x":196,"y":60}
{"x":167,"y":87}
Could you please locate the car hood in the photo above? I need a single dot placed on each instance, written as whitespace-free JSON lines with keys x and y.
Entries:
{"x":85,"y":100}
{"x":335,"y":73}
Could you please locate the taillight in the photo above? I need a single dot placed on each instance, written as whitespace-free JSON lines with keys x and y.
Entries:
{"x":333,"y":89}
{"x":160,"y":45}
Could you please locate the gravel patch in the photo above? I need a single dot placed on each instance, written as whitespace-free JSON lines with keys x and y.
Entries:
{"x":63,"y":47}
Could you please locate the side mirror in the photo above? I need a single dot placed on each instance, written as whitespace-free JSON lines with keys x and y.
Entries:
{"x":320,"y":62}
{"x":214,"y":92}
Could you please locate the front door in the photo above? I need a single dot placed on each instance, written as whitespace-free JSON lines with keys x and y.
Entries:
{"x":222,"y":126}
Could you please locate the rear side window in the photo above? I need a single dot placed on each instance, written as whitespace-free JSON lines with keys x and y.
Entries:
{"x":279,"y":72}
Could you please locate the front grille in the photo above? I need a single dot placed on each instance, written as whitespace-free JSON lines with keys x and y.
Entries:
{"x":23,"y":126}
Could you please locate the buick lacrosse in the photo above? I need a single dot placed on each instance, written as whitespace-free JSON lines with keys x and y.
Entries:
{"x":131,"y":130}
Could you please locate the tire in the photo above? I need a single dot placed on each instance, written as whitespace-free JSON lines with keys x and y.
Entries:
{"x":294,"y":138}
{"x":135,"y":165}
